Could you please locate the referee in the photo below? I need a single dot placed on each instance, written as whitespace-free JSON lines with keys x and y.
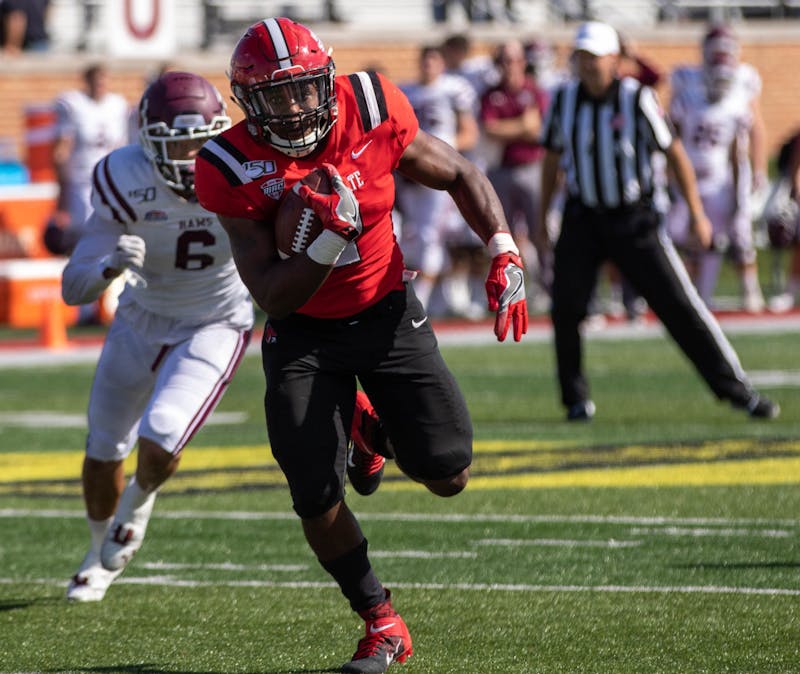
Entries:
{"x":600,"y":132}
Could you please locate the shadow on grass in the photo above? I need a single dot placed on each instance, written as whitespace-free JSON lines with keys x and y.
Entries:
{"x":153,"y":669}
{"x":27,"y":602}
{"x":735,"y":566}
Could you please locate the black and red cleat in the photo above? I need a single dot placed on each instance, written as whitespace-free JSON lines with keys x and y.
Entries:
{"x":386,"y":641}
{"x":364,"y":463}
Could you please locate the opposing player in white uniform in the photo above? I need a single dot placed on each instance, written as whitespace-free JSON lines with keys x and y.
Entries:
{"x":444,"y":105}
{"x":716,"y":111}
{"x":89,"y":125}
{"x":181,"y":327}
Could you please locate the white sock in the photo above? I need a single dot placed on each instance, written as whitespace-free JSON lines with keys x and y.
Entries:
{"x":98,"y":530}
{"x":134,"y":495}
{"x":750,"y":284}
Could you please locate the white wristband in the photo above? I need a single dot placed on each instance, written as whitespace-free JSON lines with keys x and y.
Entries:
{"x":326,"y":248}
{"x":502,"y":242}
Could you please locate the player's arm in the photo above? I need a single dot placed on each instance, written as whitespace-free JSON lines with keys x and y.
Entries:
{"x":467,"y":131}
{"x":551,"y":174}
{"x":102,"y":253}
{"x":61,"y":151}
{"x":278,"y":286}
{"x":526,"y":127}
{"x":681,"y":167}
{"x":758,"y":144}
{"x":432,"y":162}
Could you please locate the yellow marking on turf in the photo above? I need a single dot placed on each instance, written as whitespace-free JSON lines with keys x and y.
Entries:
{"x":498,"y":464}
{"x":718,"y":473}
{"x":22,"y":466}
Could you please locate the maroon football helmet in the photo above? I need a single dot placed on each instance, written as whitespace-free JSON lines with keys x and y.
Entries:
{"x":720,"y":60}
{"x":282,"y":77}
{"x":177,"y":114}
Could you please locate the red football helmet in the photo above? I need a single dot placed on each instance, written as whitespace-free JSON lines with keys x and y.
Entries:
{"x":282,"y":77}
{"x":177,"y":114}
{"x":720,"y":60}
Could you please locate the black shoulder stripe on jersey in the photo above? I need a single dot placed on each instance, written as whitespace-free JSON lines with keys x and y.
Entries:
{"x":231,"y":149}
{"x":370,"y":99}
{"x":119,"y":197}
{"x":102,"y":165}
{"x":378,"y":91}
{"x":224,"y":156}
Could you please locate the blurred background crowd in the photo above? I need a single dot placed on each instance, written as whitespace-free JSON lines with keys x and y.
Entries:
{"x":479,"y":74}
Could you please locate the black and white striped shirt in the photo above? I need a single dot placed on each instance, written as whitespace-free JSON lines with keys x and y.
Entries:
{"x":606,"y":144}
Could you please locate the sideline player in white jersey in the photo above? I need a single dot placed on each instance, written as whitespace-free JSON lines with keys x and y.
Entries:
{"x":181,"y":327}
{"x":444,"y":105}
{"x":716,"y":110}
{"x":89,"y":124}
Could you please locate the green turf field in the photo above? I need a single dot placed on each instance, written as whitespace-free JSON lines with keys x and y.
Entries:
{"x":663,"y":537}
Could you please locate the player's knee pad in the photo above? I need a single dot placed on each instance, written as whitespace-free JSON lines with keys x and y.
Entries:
{"x":310,"y":501}
{"x":102,"y":446}
{"x":165,"y":425}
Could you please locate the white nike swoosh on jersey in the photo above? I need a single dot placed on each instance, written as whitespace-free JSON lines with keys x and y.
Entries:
{"x":375,"y":630}
{"x":355,"y":154}
{"x":415,"y":324}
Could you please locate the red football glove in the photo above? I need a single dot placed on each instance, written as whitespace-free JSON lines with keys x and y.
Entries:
{"x":339,"y":211}
{"x":505,"y":289}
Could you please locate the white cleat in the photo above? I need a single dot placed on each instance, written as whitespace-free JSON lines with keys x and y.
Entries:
{"x":91,"y":580}
{"x":126,"y":534}
{"x":780,"y":304}
{"x":753,"y":303}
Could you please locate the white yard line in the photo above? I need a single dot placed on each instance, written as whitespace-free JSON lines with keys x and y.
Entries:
{"x":557,"y":543}
{"x":226,"y":566}
{"x":704,"y":531}
{"x":170,"y":581}
{"x":49,"y":513}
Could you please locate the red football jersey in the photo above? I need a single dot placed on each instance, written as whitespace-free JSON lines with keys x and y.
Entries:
{"x":239,"y":177}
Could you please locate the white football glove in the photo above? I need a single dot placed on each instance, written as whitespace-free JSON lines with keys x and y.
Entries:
{"x":129,"y":253}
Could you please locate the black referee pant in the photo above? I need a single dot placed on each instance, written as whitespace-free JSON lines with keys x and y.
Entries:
{"x":634,"y":240}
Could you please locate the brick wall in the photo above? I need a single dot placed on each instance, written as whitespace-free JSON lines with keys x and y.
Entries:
{"x":34,"y":79}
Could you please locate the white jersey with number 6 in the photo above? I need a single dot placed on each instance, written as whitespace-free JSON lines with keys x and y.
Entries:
{"x":176,"y":339}
{"x":190,"y":275}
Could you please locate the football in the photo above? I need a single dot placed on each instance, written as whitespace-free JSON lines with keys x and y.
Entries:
{"x":296,"y":224}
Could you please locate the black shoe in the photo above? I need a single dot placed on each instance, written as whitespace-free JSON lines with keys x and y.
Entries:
{"x":582,"y":411}
{"x":760,"y":407}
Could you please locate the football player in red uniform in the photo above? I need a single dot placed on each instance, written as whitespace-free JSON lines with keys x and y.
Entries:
{"x":343,"y":310}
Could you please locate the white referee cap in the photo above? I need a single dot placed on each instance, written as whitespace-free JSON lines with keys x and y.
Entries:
{"x":597,"y":38}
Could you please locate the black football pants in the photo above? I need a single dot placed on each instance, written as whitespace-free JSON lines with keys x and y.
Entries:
{"x":634,"y":240}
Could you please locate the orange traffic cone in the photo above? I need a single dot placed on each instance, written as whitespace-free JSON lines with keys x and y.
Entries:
{"x":53,"y":332}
